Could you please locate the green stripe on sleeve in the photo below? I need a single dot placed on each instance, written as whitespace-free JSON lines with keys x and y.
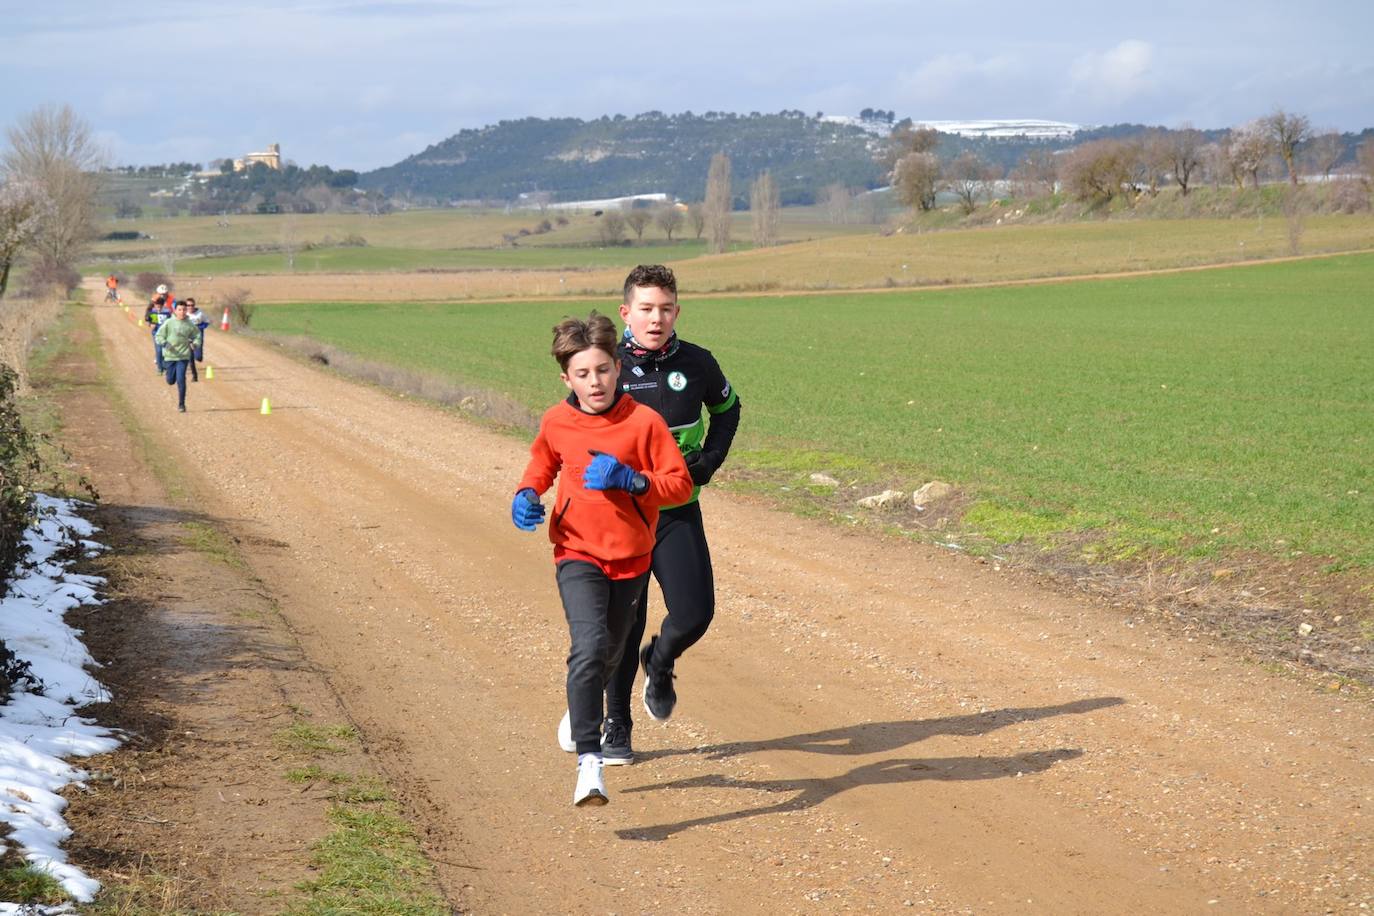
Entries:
{"x":726,"y":405}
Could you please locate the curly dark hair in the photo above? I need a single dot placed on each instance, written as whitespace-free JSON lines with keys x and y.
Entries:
{"x":573,"y":335}
{"x":651,"y":275}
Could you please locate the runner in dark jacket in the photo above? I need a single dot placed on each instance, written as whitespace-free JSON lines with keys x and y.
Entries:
{"x":679,"y":380}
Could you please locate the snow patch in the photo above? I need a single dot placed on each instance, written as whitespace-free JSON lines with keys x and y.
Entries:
{"x":38,"y":730}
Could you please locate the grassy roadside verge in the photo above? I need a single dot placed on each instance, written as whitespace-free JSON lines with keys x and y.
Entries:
{"x":369,"y":859}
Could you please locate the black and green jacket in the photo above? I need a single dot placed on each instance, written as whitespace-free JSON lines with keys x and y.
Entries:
{"x":678,"y":381}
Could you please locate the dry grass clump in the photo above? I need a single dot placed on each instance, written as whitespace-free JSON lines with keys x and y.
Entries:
{"x":23,"y":319}
{"x":471,"y":399}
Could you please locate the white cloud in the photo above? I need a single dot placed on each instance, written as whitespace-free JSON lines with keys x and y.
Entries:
{"x":1115,"y":74}
{"x":953,"y":78}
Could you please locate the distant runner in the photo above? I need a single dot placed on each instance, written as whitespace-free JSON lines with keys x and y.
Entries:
{"x":159,"y":310}
{"x":177,"y":339}
{"x":197,"y":318}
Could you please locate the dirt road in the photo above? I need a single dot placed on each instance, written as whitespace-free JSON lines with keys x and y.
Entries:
{"x":869,"y":725}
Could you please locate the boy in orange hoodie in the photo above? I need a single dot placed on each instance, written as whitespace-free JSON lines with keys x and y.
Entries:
{"x":616,"y":463}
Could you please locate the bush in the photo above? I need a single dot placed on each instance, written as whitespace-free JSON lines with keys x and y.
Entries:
{"x":13,"y":670}
{"x":148,"y":282}
{"x":240,"y":309}
{"x":18,"y":467}
{"x":47,"y":276}
{"x":1349,"y":196}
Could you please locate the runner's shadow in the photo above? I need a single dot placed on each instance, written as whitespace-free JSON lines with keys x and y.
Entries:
{"x":879,"y":737}
{"x":811,"y":792}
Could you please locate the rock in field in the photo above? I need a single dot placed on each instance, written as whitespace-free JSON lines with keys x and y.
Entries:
{"x":880,"y":500}
{"x":932,"y":492}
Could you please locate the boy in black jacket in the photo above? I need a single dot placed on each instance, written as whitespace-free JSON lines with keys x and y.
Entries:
{"x":677,"y":379}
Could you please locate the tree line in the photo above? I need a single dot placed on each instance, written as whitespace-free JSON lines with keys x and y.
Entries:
{"x":1102,"y":170}
{"x":710,"y":216}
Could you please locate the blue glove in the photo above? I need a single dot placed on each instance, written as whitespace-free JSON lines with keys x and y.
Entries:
{"x":526,"y":510}
{"x":607,"y":473}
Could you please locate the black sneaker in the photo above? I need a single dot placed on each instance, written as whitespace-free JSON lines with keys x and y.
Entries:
{"x":659,"y":695}
{"x":615,"y":743}
{"x":181,"y":408}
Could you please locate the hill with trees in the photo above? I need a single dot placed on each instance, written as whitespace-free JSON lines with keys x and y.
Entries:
{"x":565,"y":159}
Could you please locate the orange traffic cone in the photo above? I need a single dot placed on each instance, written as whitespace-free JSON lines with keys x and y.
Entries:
{"x":224,"y":323}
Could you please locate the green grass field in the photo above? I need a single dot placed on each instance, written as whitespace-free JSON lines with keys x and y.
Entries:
{"x":1227,"y":409}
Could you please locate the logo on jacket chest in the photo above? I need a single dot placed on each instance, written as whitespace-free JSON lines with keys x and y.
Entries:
{"x":677,"y":381}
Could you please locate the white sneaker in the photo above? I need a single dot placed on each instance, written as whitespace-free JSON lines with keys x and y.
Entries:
{"x":565,"y":738}
{"x":591,"y":788}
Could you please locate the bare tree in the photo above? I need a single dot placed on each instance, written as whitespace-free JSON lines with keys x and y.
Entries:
{"x":669,"y":219}
{"x":323,"y":198}
{"x":1037,"y":174}
{"x":1287,"y":132}
{"x":24,"y":209}
{"x":1323,"y":152}
{"x":1152,"y":159}
{"x":1247,"y":148}
{"x":870,"y":208}
{"x":1364,"y":158}
{"x":1098,"y":171}
{"x":53,"y":148}
{"x":914,"y":179}
{"x":718,"y":204}
{"x":835,"y":200}
{"x":907,"y":138}
{"x":1295,"y":207}
{"x":968,"y":177}
{"x":167,"y":256}
{"x":763,"y":208}
{"x":1214,"y":166}
{"x":540,"y":199}
{"x":1184,"y":156}
{"x":611,"y":228}
{"x":696,"y":215}
{"x":637,"y":218}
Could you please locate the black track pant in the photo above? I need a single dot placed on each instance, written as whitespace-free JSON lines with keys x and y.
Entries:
{"x":600,"y":611}
{"x":682,"y":566}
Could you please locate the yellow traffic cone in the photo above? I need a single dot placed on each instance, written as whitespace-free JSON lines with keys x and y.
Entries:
{"x":209,"y":372}
{"x":266,"y":407}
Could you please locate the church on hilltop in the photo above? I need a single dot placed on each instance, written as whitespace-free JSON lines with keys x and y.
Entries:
{"x":271,"y":158}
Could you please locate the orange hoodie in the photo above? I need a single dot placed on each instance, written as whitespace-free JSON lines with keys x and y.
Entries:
{"x":612,"y":526}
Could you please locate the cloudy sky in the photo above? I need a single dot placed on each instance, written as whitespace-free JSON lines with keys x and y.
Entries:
{"x":357,"y":84}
